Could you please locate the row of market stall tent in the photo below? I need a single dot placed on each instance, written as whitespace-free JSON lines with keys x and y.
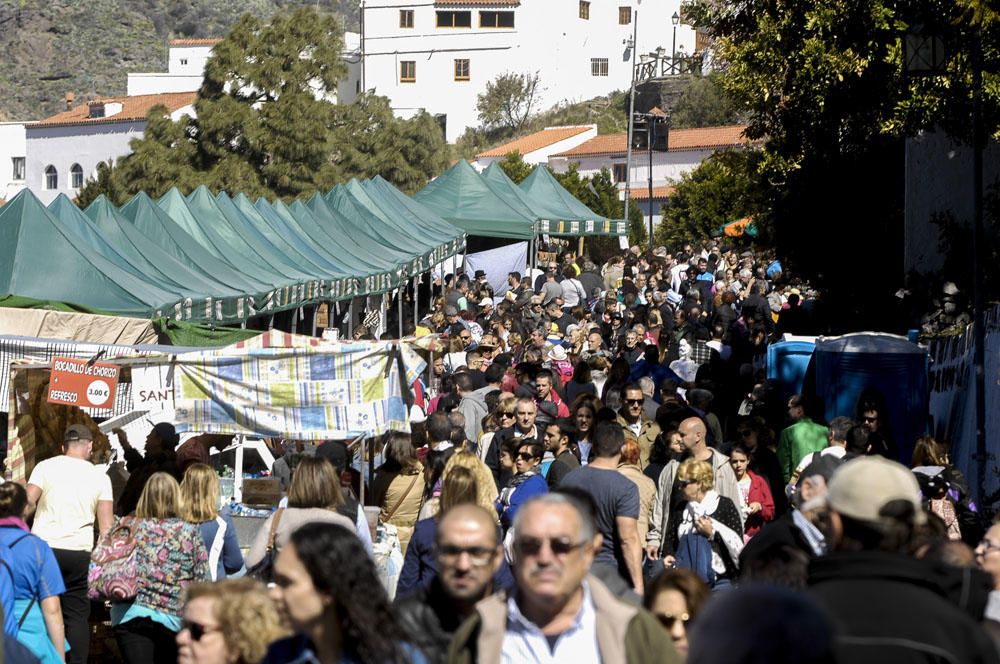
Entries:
{"x":490,"y":204}
{"x":225,"y":259}
{"x":219,"y":258}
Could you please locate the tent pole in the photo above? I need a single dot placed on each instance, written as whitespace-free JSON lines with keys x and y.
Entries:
{"x":399,"y":297}
{"x":579,"y":249}
{"x":294,"y":326}
{"x":350,"y":319}
{"x":416,"y":314}
{"x":364,"y":451}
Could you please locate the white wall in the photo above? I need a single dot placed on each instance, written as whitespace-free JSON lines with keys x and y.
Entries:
{"x":667,"y":166}
{"x":549,"y":37}
{"x":63,"y":146}
{"x":188,"y":60}
{"x":156,"y":83}
{"x":12,"y":144}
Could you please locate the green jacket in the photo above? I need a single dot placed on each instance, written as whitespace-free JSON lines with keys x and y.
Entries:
{"x":625,"y":633}
{"x":802,"y":438}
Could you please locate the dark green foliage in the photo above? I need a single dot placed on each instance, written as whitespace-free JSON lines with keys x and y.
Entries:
{"x":704,"y":103}
{"x":515,"y":168}
{"x":723,"y":188}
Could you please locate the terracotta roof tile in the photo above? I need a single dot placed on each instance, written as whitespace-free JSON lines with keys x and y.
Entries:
{"x":133,"y":108}
{"x":194,"y":42}
{"x":642,"y":193}
{"x":536,"y":141}
{"x":680,"y":139}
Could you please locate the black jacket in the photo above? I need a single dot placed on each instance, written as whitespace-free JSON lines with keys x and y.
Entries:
{"x":889,"y":608}
{"x":429,"y":616}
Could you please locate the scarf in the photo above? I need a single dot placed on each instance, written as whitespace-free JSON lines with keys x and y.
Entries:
{"x":14,"y":521}
{"x":730,"y":539}
{"x":515,"y":482}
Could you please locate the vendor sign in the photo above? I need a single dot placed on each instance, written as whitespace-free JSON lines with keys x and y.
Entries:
{"x":76,"y":382}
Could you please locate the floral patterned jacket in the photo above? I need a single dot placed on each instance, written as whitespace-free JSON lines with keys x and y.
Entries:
{"x":170,"y":555}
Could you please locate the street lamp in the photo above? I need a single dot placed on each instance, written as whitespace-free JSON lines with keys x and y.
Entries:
{"x":675,"y":19}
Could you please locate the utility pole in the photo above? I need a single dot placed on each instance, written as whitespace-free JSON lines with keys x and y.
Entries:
{"x":631,"y":114}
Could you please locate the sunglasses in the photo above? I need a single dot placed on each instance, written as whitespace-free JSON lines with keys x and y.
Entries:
{"x":634,"y":402}
{"x":668,"y":621}
{"x":478,"y":555}
{"x":508,"y":413}
{"x":687,"y":482}
{"x":526,"y":456}
{"x":869,"y":420}
{"x":532,"y":546}
{"x":197,"y":630}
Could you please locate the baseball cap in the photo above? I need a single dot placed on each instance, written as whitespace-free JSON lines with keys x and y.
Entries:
{"x":862,"y":487}
{"x":486,"y":302}
{"x":77,"y":432}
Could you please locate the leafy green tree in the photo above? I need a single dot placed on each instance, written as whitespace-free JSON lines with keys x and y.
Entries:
{"x":371,"y":140}
{"x":704,"y":103}
{"x":514,"y":166}
{"x":723,"y":188}
{"x":265,"y":97}
{"x":509,"y":100}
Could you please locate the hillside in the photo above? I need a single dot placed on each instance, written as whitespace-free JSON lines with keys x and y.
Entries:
{"x":52,"y":47}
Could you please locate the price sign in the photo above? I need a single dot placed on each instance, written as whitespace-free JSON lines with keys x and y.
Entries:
{"x":80,"y":383}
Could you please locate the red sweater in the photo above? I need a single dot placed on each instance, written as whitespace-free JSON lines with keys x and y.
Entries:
{"x":759,"y":493}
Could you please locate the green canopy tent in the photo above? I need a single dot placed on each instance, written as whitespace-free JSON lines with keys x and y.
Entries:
{"x":271,"y":224}
{"x":464,"y":199}
{"x":338,"y":282}
{"x":370,"y":270}
{"x":411,"y":212}
{"x":570,"y":216}
{"x":228,"y":304}
{"x":374,"y":227}
{"x":393,"y":262}
{"x":45,"y":260}
{"x":439,"y":240}
{"x":160,"y":228}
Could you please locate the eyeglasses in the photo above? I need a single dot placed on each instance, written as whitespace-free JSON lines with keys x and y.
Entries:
{"x":633,"y":402}
{"x":869,"y":420}
{"x":688,"y":482}
{"x":197,"y":630}
{"x":507,"y":413}
{"x":668,"y":621}
{"x":526,"y":456}
{"x":478,"y":555}
{"x":532,"y":546}
{"x":988,"y":546}
{"x":464,"y":337}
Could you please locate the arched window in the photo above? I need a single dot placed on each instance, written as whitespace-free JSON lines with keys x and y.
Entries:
{"x":51,"y":177}
{"x":76,"y":176}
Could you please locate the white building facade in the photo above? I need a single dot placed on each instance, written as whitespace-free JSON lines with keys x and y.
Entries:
{"x":63,"y":151}
{"x":439,"y":56}
{"x":13,"y":159}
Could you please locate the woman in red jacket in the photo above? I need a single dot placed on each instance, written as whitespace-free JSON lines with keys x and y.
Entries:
{"x":757,"y":507}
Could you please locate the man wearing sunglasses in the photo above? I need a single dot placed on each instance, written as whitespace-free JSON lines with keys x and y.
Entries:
{"x":554,"y":611}
{"x":633,"y":420}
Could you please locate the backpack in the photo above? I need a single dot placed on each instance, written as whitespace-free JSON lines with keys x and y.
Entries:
{"x":216,"y":551}
{"x":114,"y":569}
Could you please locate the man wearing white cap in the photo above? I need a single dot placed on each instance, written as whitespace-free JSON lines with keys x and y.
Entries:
{"x":886,"y":606}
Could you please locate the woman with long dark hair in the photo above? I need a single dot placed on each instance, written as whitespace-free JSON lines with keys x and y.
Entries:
{"x":328,"y":590}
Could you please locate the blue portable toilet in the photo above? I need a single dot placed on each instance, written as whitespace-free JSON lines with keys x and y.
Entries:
{"x":787,"y":362}
{"x":892,"y":366}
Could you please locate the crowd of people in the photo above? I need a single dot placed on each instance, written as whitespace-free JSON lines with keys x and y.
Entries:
{"x":597,"y":470}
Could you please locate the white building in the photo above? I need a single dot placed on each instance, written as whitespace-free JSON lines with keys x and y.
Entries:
{"x":185,"y":69}
{"x":13,"y":153}
{"x":439,"y":56}
{"x":686,"y":149}
{"x":538,"y":147}
{"x":63,"y":151}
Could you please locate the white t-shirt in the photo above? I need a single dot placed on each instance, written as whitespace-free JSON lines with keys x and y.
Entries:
{"x":67,"y":507}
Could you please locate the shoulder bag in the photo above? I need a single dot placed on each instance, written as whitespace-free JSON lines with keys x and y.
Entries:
{"x":114,"y":570}
{"x":264,"y":570}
